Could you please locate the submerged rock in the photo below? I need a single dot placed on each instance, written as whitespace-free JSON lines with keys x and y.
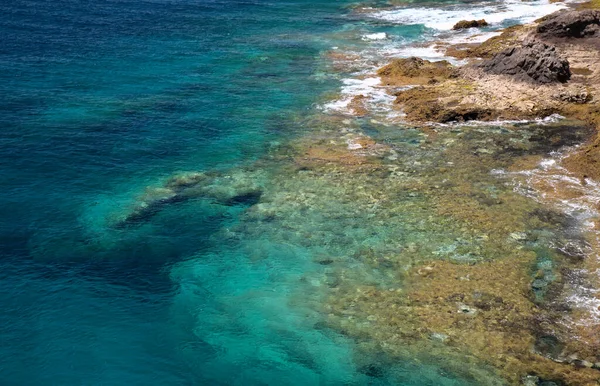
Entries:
{"x":577,"y":24}
{"x":465,"y":24}
{"x":530,"y":380}
{"x":235,"y":189}
{"x":466,"y":310}
{"x":535,"y":61}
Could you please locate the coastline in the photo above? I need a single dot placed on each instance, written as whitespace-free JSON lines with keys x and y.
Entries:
{"x":430,"y":242}
{"x":528,"y":342}
{"x":470,"y":93}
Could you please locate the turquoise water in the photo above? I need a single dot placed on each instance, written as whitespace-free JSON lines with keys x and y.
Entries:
{"x":101,"y":100}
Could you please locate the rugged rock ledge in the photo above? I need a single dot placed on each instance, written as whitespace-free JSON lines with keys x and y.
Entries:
{"x":533,"y":61}
{"x":565,"y":24}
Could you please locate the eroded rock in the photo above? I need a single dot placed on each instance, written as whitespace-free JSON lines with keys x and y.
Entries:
{"x":422,"y":104}
{"x":415,"y":71}
{"x":535,"y":61}
{"x":577,"y":24}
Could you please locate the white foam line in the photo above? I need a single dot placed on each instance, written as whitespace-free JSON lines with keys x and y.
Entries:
{"x":445,"y":19}
{"x":375,"y":95}
{"x":375,"y":36}
{"x":538,"y":121}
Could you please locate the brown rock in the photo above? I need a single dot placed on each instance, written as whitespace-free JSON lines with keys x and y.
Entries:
{"x":358,"y":105}
{"x":421,"y":104}
{"x":465,"y":24}
{"x":415,"y":71}
{"x":489,"y":48}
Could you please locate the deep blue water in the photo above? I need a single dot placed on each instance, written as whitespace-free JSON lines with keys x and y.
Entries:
{"x":99,"y":100}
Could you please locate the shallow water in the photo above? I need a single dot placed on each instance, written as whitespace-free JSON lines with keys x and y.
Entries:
{"x":249,"y":277}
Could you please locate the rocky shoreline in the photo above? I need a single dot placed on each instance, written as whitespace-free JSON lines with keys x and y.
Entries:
{"x":530,"y":71}
{"x":499,"y":313}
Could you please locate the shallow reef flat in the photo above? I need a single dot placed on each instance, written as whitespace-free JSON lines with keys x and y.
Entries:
{"x":417,"y":249}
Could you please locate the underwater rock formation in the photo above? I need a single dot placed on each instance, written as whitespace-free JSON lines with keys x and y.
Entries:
{"x":227,"y":189}
{"x":535,"y":61}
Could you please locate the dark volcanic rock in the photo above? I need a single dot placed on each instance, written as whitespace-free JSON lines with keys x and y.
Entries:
{"x":534,"y":61}
{"x":578,"y":24}
{"x":464,"y":24}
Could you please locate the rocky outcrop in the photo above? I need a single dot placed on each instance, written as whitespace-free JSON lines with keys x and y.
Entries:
{"x":576,"y":24}
{"x":422,"y":105}
{"x":534,"y":61}
{"x":465,"y":24}
{"x":487,"y":49}
{"x":413,"y":71}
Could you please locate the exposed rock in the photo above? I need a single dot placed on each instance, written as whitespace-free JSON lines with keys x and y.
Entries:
{"x":583,"y":364}
{"x":487,"y":49}
{"x":415,"y":71}
{"x":585,"y":161}
{"x":579,"y":97}
{"x":421,"y":104}
{"x":535,"y":61}
{"x":464,"y":24}
{"x":592,"y":4}
{"x":575,"y":24}
{"x":466,"y":310}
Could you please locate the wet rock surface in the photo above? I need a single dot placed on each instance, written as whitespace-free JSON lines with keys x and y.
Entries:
{"x":465,"y":24}
{"x":575,"y":24}
{"x":535,"y":61}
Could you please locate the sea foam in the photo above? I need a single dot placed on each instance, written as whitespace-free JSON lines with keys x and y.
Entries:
{"x":445,"y":19}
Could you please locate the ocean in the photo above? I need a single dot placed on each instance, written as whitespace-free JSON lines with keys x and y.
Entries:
{"x":234,"y":280}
